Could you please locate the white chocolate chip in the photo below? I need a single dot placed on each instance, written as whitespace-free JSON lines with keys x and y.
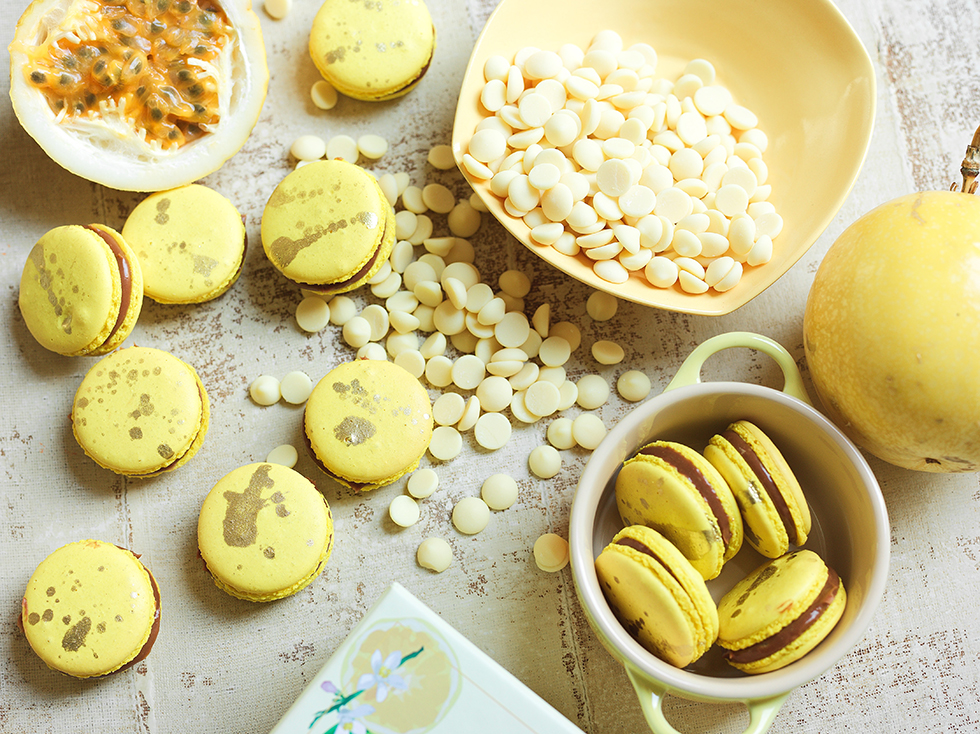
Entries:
{"x":312,"y":314}
{"x":492,"y":431}
{"x":434,"y":554}
{"x":588,"y":430}
{"x":551,"y":553}
{"x":593,"y":391}
{"x":404,"y":511}
{"x":264,"y":390}
{"x":422,"y":483}
{"x":308,"y":148}
{"x":607,"y":352}
{"x":446,"y":443}
{"x":285,"y":454}
{"x":499,"y":491}
{"x":324,"y":95}
{"x":560,"y":433}
{"x":633,"y":386}
{"x":296,"y":387}
{"x":544,"y":461}
{"x":470,"y":515}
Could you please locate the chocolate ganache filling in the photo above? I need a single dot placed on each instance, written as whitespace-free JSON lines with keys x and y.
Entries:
{"x":637,"y":545}
{"x":793,"y":630}
{"x":766,"y":481}
{"x":125,"y":277}
{"x":691,"y":472}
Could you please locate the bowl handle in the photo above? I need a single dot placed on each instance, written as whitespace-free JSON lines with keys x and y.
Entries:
{"x":689,"y":372}
{"x":762,"y":712}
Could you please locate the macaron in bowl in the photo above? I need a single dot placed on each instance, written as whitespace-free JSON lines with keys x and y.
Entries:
{"x":673,"y":489}
{"x":190,"y":242}
{"x":140,"y":412}
{"x":90,"y":609}
{"x":368,"y":422}
{"x":264,"y":532}
{"x":81,"y":290}
{"x":372,"y":51}
{"x":328,"y":227}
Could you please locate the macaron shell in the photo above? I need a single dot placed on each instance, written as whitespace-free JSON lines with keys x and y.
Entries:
{"x":190,"y":242}
{"x":368,"y":422}
{"x":140,"y":411}
{"x":71,"y":291}
{"x":761,"y":523}
{"x":265,"y":532}
{"x":324,"y":222}
{"x":89,"y":608}
{"x":652,"y":493}
{"x":659,"y":597}
{"x":372,"y":51}
{"x":777,"y":466}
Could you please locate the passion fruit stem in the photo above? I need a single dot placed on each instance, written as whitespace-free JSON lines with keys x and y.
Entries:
{"x":970,"y":168}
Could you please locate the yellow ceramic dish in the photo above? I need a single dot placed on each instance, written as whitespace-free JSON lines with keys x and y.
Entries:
{"x":797,"y":64}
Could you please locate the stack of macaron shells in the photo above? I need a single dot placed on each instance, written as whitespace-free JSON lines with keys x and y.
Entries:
{"x":91,"y":609}
{"x":367,"y":423}
{"x":264,"y":532}
{"x":702,"y":506}
{"x":140,"y":412}
{"x":328,"y":227}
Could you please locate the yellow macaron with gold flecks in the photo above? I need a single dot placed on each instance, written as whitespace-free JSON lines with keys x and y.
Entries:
{"x":328,"y":227}
{"x":264,"y":532}
{"x":657,"y":595}
{"x":673,"y":489}
{"x":780,"y":612}
{"x":190,"y":242}
{"x":140,"y":412}
{"x":368,"y":422}
{"x":81,"y":290}
{"x":375,"y":50}
{"x":90,"y":609}
{"x":774,"y":511}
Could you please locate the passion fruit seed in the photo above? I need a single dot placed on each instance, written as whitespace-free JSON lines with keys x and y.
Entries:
{"x":121,"y":56}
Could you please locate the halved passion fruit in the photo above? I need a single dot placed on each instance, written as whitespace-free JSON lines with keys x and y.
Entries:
{"x":139,"y":95}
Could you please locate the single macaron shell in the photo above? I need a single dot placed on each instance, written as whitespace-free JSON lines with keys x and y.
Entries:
{"x":674,"y":490}
{"x":81,"y":290}
{"x":140,"y":412}
{"x":372,"y":51}
{"x":190,"y":242}
{"x":368,"y":422}
{"x":90,"y":609}
{"x":657,"y":595}
{"x":779,"y":612}
{"x":264,"y":532}
{"x":774,"y":511}
{"x":328,"y":227}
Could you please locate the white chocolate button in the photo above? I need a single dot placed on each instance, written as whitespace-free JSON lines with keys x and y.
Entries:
{"x":342,"y":146}
{"x":567,"y":331}
{"x":285,"y":454}
{"x":495,"y":393}
{"x":308,"y":148}
{"x":372,"y":146}
{"x":554,"y":351}
{"x":525,"y":377}
{"x":512,"y":330}
{"x":434,"y":554}
{"x":264,"y":390}
{"x":324,"y":95}
{"x":569,"y":394}
{"x":446,"y":443}
{"x":296,"y":387}
{"x":412,"y":361}
{"x":468,"y":372}
{"x":492,"y":431}
{"x":588,"y":430}
{"x":448,"y":409}
{"x":633,"y":386}
{"x":499,"y":491}
{"x":514,"y":283}
{"x":441,"y":157}
{"x":372,"y":350}
{"x":601,"y":306}
{"x":593,"y":391}
{"x":471,"y":515}
{"x":422,"y":483}
{"x":551,"y":553}
{"x":607,"y":352}
{"x":439,"y":371}
{"x":471,"y":414}
{"x":544,"y":461}
{"x":404,"y":511}
{"x":560,"y":433}
{"x":542,"y":398}
{"x":312,"y":314}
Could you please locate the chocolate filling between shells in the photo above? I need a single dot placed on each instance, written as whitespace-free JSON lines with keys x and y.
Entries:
{"x":125,"y":276}
{"x":766,"y":481}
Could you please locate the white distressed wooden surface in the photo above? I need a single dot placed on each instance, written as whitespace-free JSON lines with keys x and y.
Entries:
{"x":221,"y":665}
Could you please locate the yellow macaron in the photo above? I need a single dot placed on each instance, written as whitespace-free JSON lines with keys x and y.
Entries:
{"x":673,"y":489}
{"x":81,"y":290}
{"x":328,"y":227}
{"x":140,"y":412}
{"x":779,"y":612}
{"x":190,"y":242}
{"x":372,"y":51}
{"x":657,"y":595}
{"x":264,"y":532}
{"x":90,"y":609}
{"x":774,"y":511}
{"x":368,"y":422}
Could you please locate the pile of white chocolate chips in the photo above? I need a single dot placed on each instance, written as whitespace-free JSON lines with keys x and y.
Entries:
{"x":599,"y":156}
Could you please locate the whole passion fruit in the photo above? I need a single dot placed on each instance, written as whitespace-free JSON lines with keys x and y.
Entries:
{"x":892,"y":332}
{"x":139,"y":95}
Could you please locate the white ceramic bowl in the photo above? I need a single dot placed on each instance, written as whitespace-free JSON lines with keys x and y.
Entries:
{"x":850,"y":526}
{"x":796,"y":63}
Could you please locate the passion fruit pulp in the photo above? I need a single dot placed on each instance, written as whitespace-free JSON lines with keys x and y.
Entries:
{"x":140,"y":95}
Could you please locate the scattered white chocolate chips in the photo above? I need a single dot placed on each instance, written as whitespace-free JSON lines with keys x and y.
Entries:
{"x":324,"y":95}
{"x":404,"y":511}
{"x":633,"y":386}
{"x":499,"y":491}
{"x":312,"y":314}
{"x":544,"y":461}
{"x":434,"y":554}
{"x":471,"y":515}
{"x":296,"y":387}
{"x":278,"y":9}
{"x":285,"y":454}
{"x":551,"y":552}
{"x":422,"y":483}
{"x":264,"y":390}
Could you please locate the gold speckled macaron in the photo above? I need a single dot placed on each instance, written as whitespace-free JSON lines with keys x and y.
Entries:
{"x":190,"y":242}
{"x":373,"y":50}
{"x":81,"y":290}
{"x":264,"y":532}
{"x":90,"y":609}
{"x":368,"y":422}
{"x":140,"y":412}
{"x":328,"y":227}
